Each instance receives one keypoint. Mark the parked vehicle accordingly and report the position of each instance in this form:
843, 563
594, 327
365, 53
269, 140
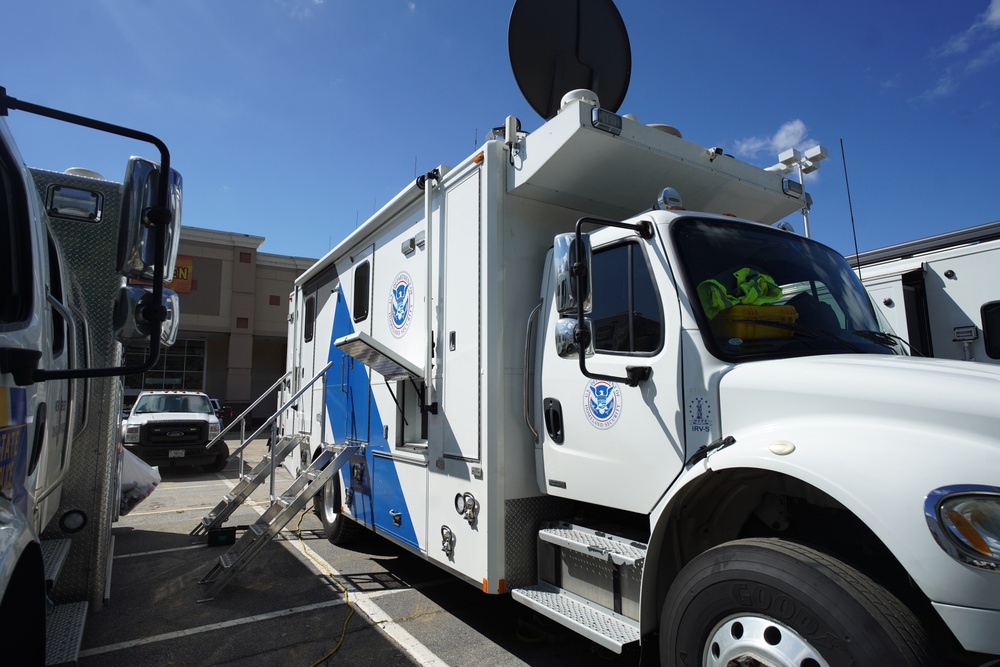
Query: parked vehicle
70, 241
173, 428
583, 368
938, 293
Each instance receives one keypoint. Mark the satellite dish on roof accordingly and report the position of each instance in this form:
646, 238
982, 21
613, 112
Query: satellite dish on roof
561, 45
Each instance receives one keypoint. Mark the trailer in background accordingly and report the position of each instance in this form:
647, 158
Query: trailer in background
940, 293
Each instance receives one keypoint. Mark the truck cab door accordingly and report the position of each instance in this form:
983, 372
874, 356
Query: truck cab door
602, 441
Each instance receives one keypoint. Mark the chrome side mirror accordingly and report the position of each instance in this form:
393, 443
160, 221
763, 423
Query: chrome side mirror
566, 344
136, 236
565, 255
129, 324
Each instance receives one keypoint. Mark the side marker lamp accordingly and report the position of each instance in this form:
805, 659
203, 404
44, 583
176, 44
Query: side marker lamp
965, 521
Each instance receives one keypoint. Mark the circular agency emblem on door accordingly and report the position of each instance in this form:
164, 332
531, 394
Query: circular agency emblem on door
602, 403
400, 304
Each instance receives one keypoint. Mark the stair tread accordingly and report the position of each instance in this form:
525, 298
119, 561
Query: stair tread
54, 553
599, 624
593, 543
64, 633
281, 511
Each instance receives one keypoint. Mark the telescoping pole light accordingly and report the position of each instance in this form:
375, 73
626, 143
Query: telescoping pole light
804, 163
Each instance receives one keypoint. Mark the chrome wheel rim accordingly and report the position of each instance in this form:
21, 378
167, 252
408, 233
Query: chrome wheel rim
327, 495
756, 641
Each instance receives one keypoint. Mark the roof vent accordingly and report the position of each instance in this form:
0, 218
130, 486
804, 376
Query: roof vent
669, 129
579, 95
86, 173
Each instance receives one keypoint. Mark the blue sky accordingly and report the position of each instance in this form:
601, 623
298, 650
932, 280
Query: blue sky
296, 119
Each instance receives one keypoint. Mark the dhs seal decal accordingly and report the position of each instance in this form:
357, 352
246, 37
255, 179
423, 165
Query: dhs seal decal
602, 403
400, 304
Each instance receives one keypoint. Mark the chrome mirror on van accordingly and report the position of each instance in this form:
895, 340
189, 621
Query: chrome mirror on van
566, 338
571, 259
567, 252
136, 235
129, 324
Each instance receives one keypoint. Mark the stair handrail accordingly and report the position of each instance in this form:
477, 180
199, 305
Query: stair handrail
243, 415
278, 412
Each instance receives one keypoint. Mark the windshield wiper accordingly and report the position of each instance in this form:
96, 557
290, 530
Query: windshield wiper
887, 339
805, 331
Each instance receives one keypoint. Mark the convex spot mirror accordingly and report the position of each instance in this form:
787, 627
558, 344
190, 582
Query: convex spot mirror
136, 236
567, 346
565, 252
132, 327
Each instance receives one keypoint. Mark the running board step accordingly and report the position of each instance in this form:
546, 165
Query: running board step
54, 553
596, 544
64, 633
599, 624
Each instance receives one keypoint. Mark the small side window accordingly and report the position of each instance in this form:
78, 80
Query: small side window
15, 249
362, 283
309, 325
55, 289
991, 328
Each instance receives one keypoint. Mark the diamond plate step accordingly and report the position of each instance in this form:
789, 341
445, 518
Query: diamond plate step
601, 625
64, 633
54, 554
595, 543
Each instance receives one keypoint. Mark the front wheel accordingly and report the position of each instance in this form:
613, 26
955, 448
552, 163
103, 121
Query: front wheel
770, 602
221, 460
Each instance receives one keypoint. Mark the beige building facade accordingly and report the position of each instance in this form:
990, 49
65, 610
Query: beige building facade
231, 342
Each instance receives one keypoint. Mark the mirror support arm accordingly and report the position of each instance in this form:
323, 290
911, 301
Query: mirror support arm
158, 217
633, 374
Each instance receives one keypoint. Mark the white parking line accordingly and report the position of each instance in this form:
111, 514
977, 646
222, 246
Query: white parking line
361, 601
207, 628
171, 511
161, 551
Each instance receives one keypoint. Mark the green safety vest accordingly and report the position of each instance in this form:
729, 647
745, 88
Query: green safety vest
750, 288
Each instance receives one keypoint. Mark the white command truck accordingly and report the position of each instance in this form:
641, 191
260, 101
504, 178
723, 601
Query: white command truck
940, 293
69, 243
652, 420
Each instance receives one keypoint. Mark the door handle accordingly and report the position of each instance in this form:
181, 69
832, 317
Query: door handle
553, 419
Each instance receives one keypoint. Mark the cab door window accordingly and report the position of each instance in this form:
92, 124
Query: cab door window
15, 249
627, 316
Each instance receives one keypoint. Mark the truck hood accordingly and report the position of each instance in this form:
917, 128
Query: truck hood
171, 417
962, 397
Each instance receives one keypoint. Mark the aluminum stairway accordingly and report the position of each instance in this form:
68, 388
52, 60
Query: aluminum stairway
589, 581
282, 510
232, 500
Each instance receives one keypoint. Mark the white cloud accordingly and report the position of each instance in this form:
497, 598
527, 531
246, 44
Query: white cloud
945, 86
300, 9
984, 24
971, 50
986, 57
793, 134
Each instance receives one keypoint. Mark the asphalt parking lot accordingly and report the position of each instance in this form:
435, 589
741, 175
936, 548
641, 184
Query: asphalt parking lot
301, 601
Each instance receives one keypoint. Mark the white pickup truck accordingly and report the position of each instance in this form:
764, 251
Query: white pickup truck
172, 428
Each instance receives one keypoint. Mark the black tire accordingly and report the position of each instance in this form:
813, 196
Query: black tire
338, 528
220, 462
775, 600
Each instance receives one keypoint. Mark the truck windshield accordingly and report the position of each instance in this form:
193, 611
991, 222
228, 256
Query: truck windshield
168, 403
760, 292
